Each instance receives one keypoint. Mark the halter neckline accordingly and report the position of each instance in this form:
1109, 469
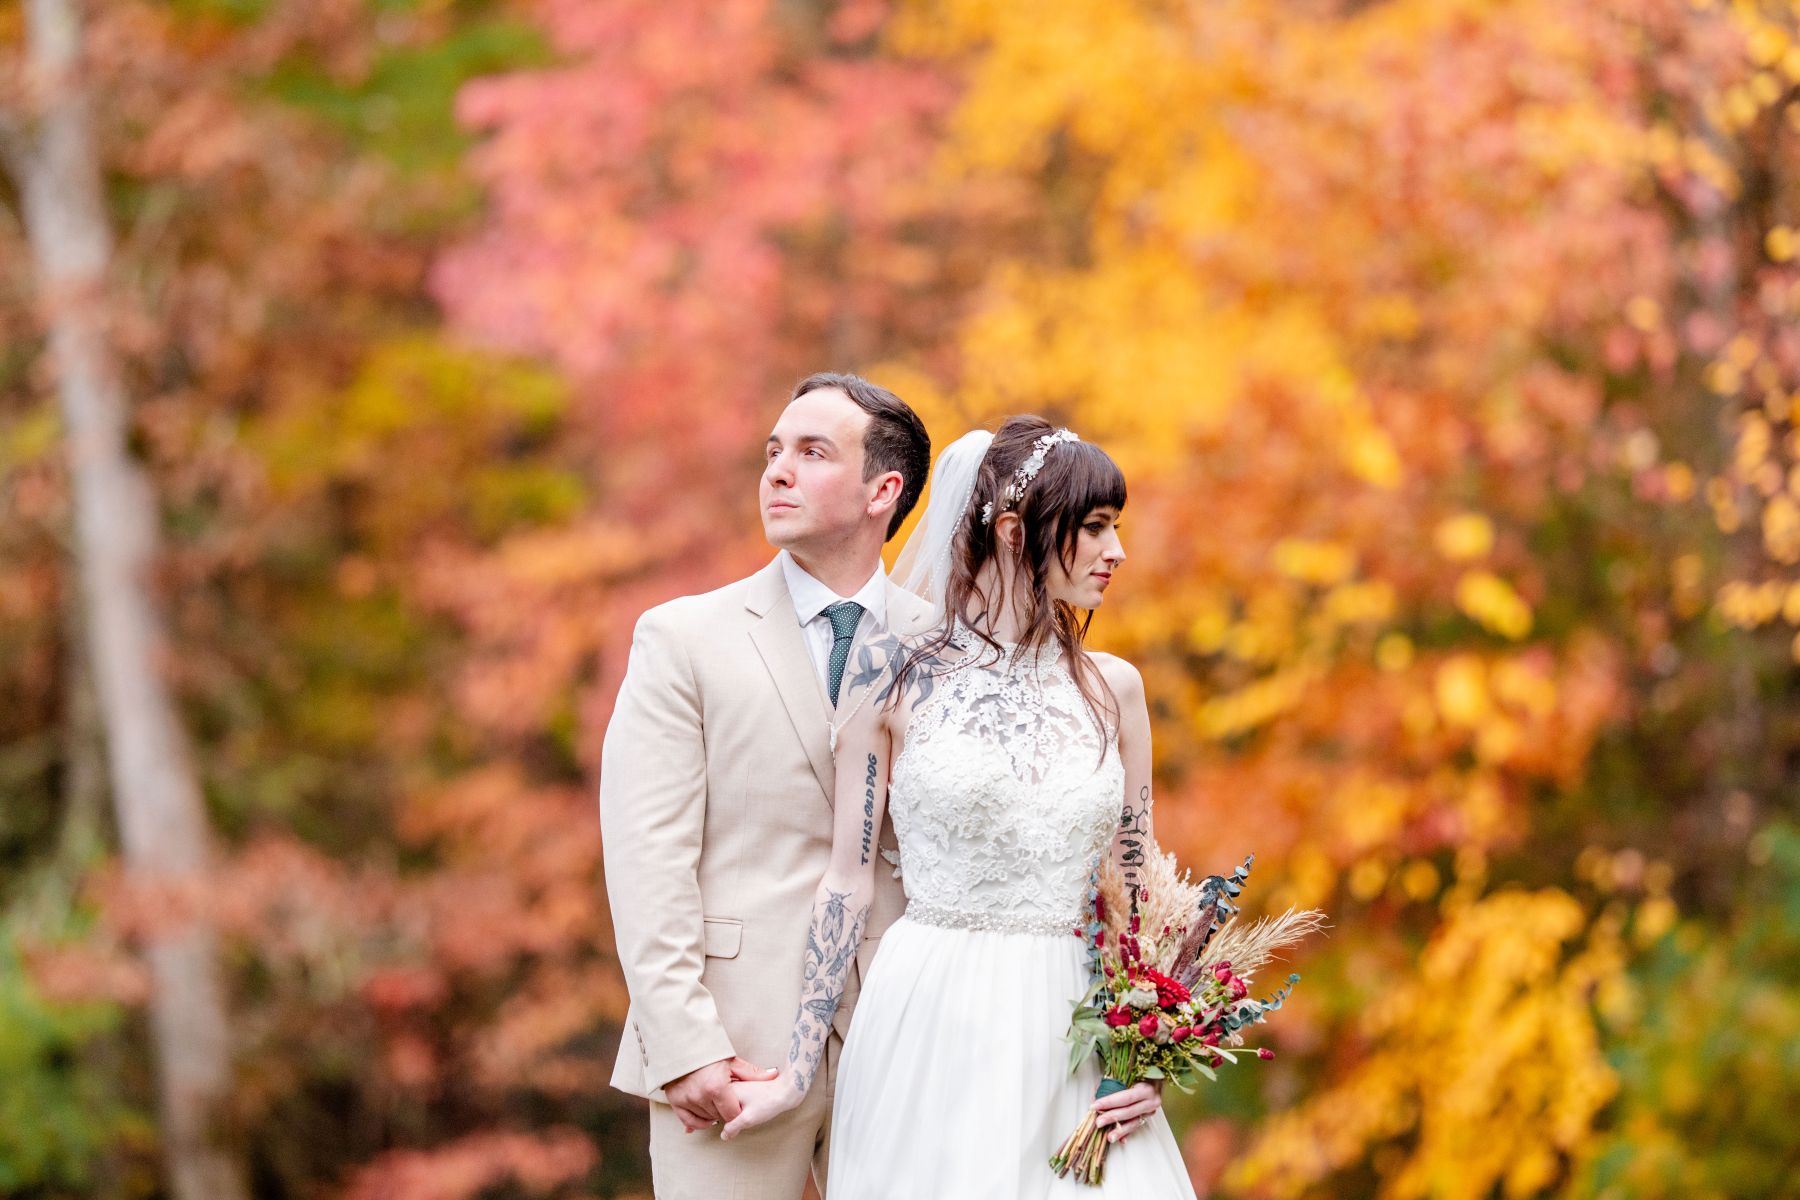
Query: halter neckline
1047, 651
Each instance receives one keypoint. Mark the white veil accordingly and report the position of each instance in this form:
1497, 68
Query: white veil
923, 564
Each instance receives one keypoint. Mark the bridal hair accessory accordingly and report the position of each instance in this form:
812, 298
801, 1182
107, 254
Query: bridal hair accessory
1015, 491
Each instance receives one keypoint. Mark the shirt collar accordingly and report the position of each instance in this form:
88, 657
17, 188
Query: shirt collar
810, 596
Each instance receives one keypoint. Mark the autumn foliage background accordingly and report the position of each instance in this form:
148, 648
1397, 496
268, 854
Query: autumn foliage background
1449, 346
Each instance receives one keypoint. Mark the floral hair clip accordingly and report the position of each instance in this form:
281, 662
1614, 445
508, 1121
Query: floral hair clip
1034, 462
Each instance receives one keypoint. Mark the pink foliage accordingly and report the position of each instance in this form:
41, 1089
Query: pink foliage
652, 196
537, 1162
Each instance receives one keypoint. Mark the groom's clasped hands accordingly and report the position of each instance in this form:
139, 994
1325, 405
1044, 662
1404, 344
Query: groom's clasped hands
704, 1097
732, 1092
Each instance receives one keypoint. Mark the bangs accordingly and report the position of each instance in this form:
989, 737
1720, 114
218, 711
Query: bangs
1092, 481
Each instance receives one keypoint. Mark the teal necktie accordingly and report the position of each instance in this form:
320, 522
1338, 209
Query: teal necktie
843, 617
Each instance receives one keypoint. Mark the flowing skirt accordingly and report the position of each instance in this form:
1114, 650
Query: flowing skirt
954, 1082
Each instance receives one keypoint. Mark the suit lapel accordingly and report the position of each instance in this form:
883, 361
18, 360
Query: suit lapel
778, 640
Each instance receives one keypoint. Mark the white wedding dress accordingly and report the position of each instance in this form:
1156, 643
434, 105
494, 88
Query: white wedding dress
954, 1082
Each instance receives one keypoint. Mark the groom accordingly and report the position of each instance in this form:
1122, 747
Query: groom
716, 794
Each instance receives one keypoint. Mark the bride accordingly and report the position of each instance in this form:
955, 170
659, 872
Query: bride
1011, 758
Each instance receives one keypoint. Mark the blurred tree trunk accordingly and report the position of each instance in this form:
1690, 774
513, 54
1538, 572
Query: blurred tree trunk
80, 842
49, 147
83, 834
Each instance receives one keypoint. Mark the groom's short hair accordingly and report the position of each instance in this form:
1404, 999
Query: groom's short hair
896, 439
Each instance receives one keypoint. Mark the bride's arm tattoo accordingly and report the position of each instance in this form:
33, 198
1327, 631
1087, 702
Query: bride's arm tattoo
1134, 837
830, 948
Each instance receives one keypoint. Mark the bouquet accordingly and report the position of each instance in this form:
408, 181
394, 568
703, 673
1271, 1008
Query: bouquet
1171, 986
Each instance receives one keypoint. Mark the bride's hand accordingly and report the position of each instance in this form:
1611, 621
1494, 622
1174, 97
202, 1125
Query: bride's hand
1130, 1109
762, 1100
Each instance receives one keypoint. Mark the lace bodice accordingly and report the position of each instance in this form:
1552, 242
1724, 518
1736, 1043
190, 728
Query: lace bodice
1004, 794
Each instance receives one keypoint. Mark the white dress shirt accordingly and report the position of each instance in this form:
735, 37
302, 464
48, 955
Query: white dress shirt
810, 600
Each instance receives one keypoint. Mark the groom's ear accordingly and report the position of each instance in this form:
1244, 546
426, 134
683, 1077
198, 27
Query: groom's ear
888, 487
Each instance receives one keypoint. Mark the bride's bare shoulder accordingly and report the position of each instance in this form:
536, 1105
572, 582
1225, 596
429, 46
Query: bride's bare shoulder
1124, 679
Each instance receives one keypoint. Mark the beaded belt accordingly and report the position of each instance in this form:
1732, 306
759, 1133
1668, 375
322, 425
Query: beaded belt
996, 922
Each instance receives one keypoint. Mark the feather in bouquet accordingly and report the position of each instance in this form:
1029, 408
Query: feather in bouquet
1171, 986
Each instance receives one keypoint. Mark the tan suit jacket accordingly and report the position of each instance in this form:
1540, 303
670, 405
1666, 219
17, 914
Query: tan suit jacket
716, 787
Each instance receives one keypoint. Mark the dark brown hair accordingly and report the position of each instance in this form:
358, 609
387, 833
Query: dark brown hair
1076, 479
895, 441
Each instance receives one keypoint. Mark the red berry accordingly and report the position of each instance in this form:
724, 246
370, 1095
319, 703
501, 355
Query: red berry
1264, 1053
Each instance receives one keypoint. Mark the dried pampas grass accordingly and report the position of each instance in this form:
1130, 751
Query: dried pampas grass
1249, 948
1171, 895
1172, 899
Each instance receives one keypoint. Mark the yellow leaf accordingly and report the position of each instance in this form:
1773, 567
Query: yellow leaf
1367, 879
1766, 43
1655, 917
1492, 602
1394, 652
1464, 537
1314, 561
1462, 696
1779, 243
1372, 458
1419, 880
1781, 529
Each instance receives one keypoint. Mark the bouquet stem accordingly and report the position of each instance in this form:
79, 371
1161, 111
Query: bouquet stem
1084, 1151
